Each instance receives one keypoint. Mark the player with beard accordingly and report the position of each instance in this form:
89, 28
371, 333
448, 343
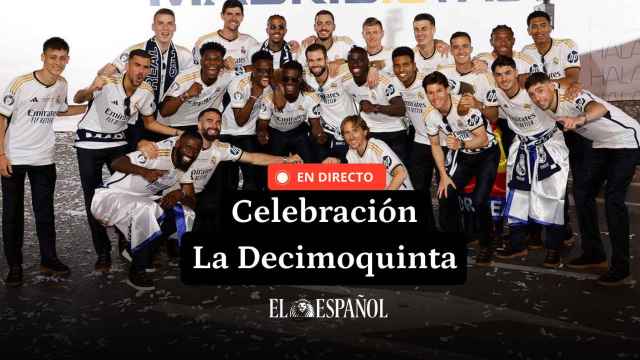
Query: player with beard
537, 168
335, 104
129, 200
240, 47
616, 151
337, 46
213, 153
114, 105
472, 152
281, 51
286, 129
381, 107
200, 88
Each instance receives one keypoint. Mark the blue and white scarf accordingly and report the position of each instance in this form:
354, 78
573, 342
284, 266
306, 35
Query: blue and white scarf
172, 71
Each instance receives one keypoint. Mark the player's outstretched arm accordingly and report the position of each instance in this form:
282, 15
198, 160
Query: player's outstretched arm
123, 164
151, 124
262, 159
399, 174
74, 110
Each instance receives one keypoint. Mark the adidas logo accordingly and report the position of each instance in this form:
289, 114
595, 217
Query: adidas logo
115, 102
35, 99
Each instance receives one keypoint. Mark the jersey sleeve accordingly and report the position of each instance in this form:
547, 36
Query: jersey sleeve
266, 108
120, 62
571, 55
64, 90
390, 159
228, 152
179, 86
147, 105
432, 120
312, 106
239, 94
582, 100
485, 91
10, 98
390, 90
474, 120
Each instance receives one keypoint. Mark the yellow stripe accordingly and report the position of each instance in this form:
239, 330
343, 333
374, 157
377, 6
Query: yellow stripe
376, 149
19, 82
205, 38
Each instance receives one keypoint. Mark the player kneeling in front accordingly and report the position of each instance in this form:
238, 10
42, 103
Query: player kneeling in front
129, 199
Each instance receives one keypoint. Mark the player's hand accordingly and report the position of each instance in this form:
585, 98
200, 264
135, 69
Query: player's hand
571, 123
263, 136
230, 63
294, 46
98, 84
453, 143
256, 89
171, 199
443, 186
331, 160
5, 166
149, 149
373, 78
442, 47
308, 41
194, 90
367, 107
467, 101
151, 175
479, 66
294, 159
573, 91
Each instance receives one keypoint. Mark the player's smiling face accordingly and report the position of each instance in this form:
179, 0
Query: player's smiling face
438, 96
358, 64
324, 27
355, 136
185, 152
540, 30
423, 31
164, 26
461, 50
276, 29
209, 125
405, 69
137, 69
263, 72
212, 63
54, 61
373, 35
542, 94
506, 78
291, 80
502, 42
316, 62
232, 18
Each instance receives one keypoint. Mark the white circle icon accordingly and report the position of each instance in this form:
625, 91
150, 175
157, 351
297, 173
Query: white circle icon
282, 177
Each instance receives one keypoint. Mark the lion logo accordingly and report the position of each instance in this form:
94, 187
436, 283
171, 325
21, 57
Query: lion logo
301, 309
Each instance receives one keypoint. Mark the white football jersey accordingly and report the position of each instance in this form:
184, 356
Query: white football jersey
306, 106
383, 55
106, 119
523, 61
615, 130
563, 54
205, 165
335, 103
378, 152
338, 50
185, 61
241, 48
31, 108
239, 91
460, 126
523, 116
138, 185
210, 96
483, 83
381, 94
428, 64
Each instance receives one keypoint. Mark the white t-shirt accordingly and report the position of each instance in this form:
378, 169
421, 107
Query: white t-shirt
185, 61
381, 95
615, 130
383, 55
335, 103
241, 48
461, 126
338, 50
210, 96
239, 91
378, 152
523, 116
432, 62
483, 83
106, 118
138, 185
523, 61
306, 106
205, 165
562, 55
31, 107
